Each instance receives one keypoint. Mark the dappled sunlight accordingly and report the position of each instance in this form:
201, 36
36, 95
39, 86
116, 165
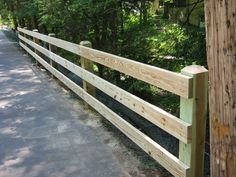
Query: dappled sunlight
12, 172
18, 121
11, 165
11, 97
8, 130
6, 91
4, 78
18, 157
2, 73
32, 80
24, 70
12, 162
15, 122
39, 132
30, 161
17, 74
16, 167
6, 103
31, 108
10, 93
35, 170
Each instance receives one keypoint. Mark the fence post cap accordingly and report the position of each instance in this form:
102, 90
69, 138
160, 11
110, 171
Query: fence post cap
52, 34
194, 69
86, 43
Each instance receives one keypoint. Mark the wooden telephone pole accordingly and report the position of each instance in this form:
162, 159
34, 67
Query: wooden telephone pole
221, 50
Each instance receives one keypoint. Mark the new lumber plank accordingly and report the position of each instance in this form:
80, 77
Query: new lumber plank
169, 123
167, 80
166, 159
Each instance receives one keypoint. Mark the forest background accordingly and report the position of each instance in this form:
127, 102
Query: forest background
168, 34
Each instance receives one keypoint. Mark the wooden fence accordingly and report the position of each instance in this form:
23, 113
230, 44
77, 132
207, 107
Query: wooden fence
190, 85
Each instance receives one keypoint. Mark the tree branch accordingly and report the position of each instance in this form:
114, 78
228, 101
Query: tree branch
192, 9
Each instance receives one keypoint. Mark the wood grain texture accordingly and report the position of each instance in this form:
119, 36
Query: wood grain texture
194, 111
221, 53
166, 159
52, 48
161, 78
24, 34
87, 65
69, 46
37, 42
169, 123
167, 80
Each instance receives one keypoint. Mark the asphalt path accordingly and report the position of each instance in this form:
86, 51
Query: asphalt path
40, 132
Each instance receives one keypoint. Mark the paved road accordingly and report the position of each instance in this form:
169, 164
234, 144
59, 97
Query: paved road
40, 134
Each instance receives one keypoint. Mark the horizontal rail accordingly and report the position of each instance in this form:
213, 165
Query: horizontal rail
166, 159
169, 123
167, 80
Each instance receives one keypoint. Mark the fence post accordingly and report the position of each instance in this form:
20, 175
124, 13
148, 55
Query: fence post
25, 42
194, 111
88, 65
37, 42
52, 48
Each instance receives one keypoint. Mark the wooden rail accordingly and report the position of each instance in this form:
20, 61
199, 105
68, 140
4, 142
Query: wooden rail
189, 128
167, 80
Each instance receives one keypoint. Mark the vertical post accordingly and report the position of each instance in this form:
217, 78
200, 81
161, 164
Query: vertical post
88, 65
25, 37
24, 33
37, 42
194, 111
52, 48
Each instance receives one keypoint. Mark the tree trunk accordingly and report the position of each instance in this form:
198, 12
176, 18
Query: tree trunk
143, 12
166, 10
35, 22
23, 23
45, 29
12, 9
121, 17
155, 6
221, 51
15, 23
191, 11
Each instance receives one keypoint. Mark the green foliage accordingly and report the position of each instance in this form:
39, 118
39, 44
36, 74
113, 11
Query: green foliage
167, 45
164, 44
127, 28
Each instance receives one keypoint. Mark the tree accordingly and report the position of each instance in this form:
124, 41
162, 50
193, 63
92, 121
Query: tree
221, 49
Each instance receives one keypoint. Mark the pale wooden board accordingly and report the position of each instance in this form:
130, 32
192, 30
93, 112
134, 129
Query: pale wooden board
87, 65
166, 159
169, 123
167, 80
74, 48
194, 111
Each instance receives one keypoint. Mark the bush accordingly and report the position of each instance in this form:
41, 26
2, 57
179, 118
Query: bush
166, 45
